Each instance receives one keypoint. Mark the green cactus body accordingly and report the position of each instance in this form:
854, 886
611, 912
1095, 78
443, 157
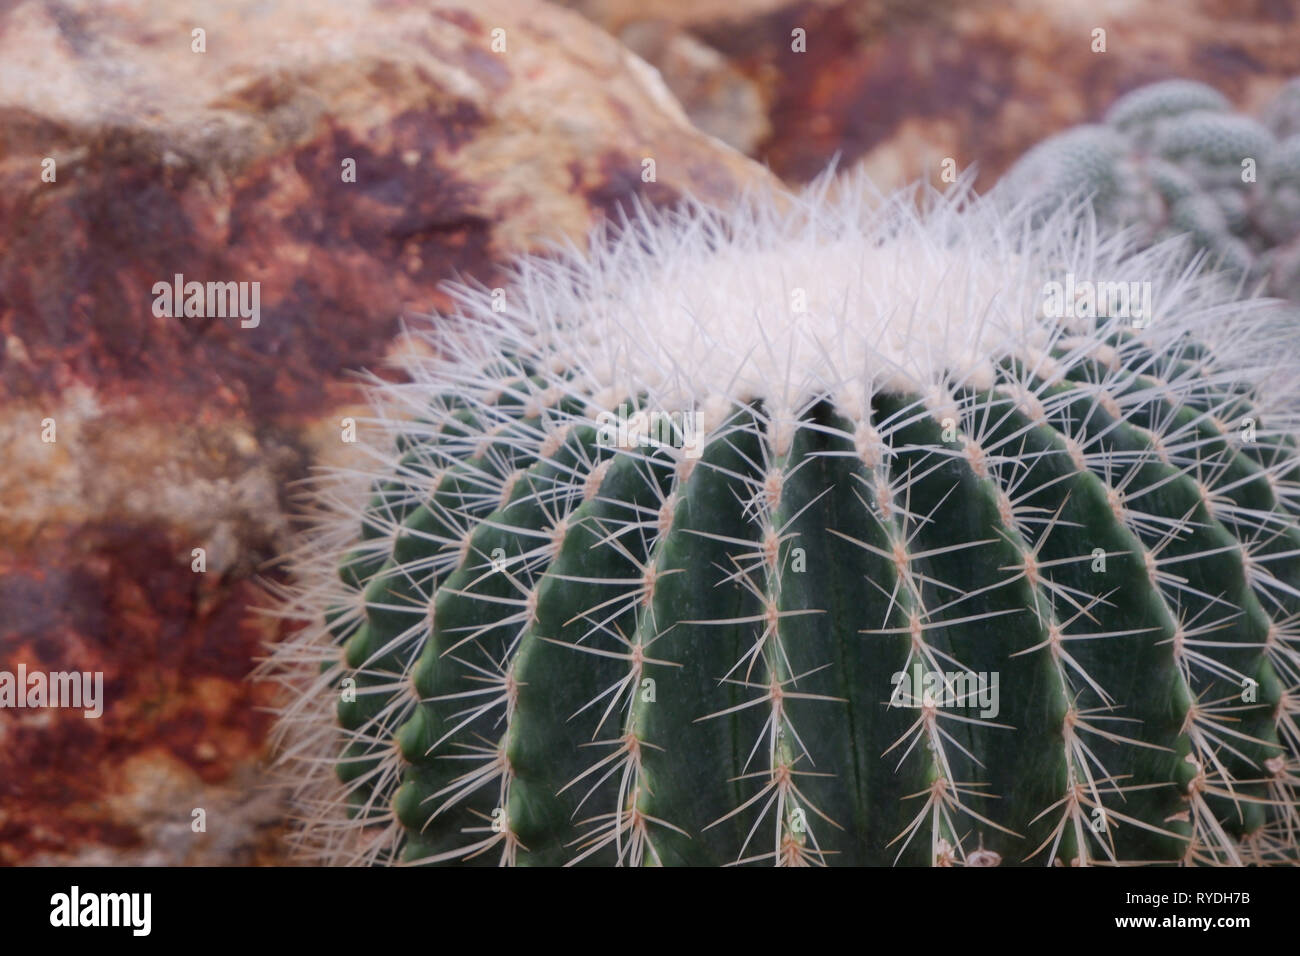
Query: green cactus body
1173, 158
1035, 606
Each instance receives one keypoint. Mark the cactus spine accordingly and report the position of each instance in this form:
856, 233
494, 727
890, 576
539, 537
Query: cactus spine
805, 533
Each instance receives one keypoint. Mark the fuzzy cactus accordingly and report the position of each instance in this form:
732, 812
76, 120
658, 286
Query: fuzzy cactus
1173, 158
829, 529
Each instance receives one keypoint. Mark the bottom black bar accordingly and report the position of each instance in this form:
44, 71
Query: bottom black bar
579, 907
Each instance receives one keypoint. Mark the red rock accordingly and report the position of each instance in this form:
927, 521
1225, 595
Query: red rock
899, 85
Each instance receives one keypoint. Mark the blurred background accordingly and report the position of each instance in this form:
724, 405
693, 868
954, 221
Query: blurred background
213, 140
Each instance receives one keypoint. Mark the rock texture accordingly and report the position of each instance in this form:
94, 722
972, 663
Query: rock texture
476, 128
899, 85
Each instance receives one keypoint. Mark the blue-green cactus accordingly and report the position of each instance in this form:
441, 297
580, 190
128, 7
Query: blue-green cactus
1174, 158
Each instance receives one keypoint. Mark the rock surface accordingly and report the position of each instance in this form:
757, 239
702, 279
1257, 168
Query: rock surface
899, 85
230, 163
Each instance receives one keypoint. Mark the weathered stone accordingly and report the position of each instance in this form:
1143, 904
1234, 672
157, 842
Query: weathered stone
899, 86
719, 99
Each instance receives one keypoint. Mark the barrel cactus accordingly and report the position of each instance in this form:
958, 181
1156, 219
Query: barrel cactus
829, 529
1173, 157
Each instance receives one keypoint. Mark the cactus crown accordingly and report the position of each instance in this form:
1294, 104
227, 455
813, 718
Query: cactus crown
820, 530
1173, 158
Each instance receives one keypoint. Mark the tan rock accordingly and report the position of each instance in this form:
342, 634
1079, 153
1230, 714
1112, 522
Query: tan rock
719, 99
